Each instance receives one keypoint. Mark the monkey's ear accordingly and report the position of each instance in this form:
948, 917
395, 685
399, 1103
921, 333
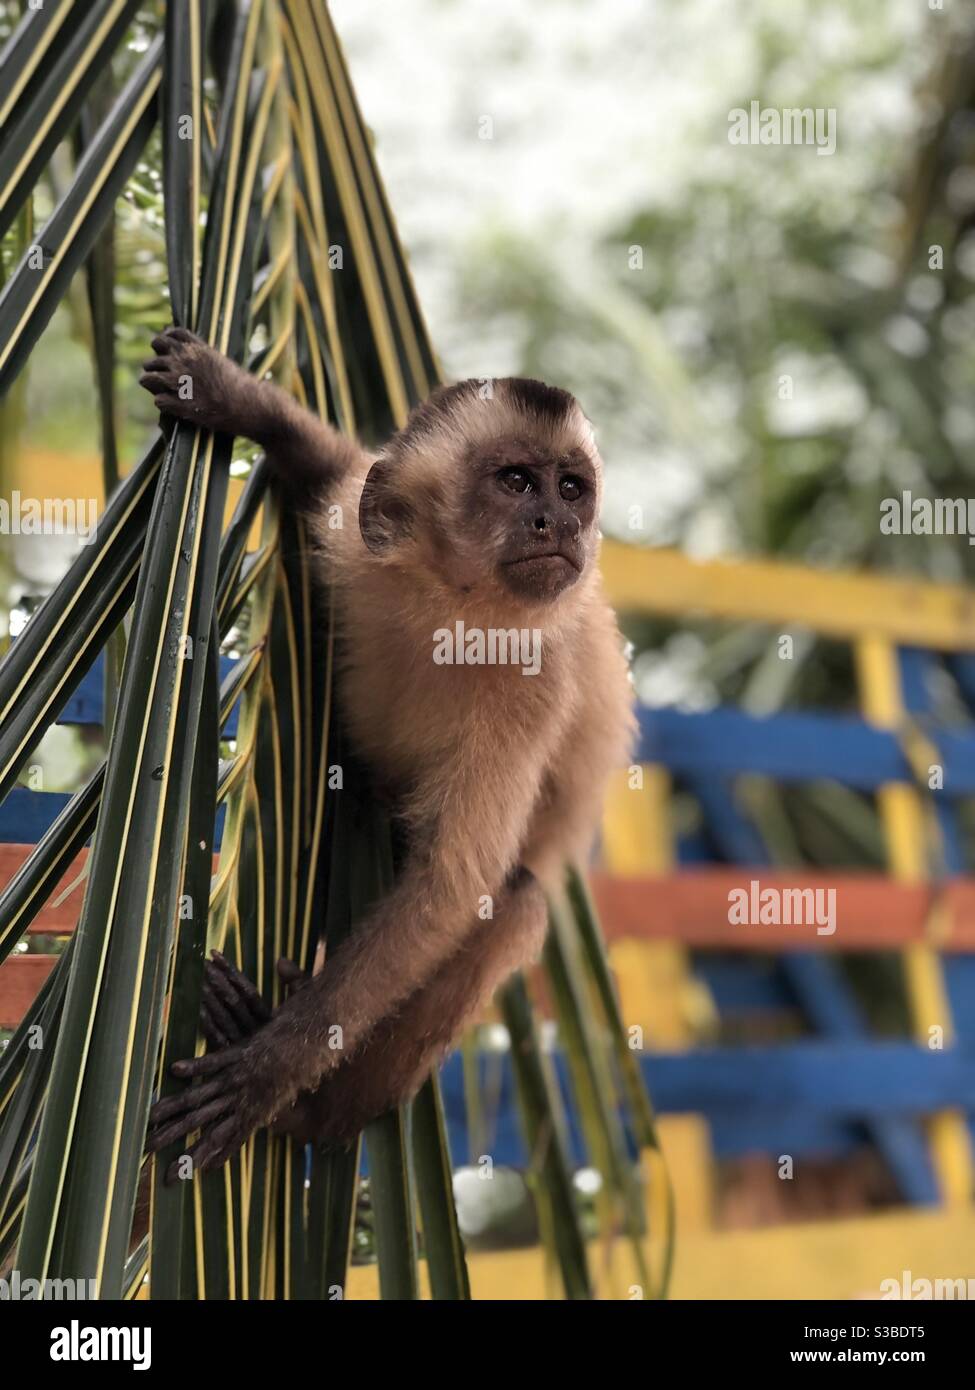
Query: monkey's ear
385, 516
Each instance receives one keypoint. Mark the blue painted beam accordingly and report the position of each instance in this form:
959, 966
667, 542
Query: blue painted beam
846, 1080
87, 704
919, 671
806, 1099
740, 986
793, 748
823, 993
962, 667
778, 1133
26, 815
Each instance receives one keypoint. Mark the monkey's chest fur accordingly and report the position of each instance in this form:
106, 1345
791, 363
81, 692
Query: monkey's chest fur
413, 718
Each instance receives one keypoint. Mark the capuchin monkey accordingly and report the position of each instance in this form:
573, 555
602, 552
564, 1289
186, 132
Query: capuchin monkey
482, 510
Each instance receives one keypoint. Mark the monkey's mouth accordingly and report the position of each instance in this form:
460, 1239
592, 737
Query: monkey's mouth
553, 560
541, 575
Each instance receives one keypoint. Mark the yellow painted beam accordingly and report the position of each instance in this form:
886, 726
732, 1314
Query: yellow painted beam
80, 476
836, 604
906, 831
657, 990
823, 1260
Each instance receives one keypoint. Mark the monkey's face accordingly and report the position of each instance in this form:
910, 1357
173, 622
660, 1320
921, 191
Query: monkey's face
496, 497
534, 511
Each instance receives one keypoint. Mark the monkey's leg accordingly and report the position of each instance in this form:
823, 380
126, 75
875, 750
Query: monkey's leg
192, 381
400, 1052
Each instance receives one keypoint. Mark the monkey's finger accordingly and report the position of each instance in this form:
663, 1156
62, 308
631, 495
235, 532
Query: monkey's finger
234, 1006
214, 1148
170, 337
208, 1064
157, 364
231, 990
184, 1101
226, 1150
186, 1124
199, 1119
225, 1020
156, 382
169, 404
214, 1038
162, 343
173, 1173
222, 968
219, 1028
291, 976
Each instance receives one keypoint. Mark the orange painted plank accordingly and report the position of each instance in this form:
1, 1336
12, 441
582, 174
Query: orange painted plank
871, 911
55, 921
20, 979
50, 920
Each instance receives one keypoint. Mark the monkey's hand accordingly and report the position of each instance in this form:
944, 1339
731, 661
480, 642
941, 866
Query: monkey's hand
192, 381
233, 1091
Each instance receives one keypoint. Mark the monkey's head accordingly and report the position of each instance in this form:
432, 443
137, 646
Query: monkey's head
494, 486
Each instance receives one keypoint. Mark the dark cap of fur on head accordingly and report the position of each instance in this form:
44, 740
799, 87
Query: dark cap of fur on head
549, 405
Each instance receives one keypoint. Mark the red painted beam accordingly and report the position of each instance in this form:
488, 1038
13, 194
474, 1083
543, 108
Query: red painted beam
872, 912
20, 979
50, 920
54, 921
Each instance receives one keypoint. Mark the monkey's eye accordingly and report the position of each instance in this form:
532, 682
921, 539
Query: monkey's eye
571, 488
515, 480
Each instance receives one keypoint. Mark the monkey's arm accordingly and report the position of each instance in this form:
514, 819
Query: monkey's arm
395, 1059
191, 380
397, 949
401, 1051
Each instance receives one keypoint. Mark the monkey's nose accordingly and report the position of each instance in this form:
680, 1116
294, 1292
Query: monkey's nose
541, 523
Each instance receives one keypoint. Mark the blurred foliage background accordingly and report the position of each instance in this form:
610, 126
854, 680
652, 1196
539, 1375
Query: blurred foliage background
608, 131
